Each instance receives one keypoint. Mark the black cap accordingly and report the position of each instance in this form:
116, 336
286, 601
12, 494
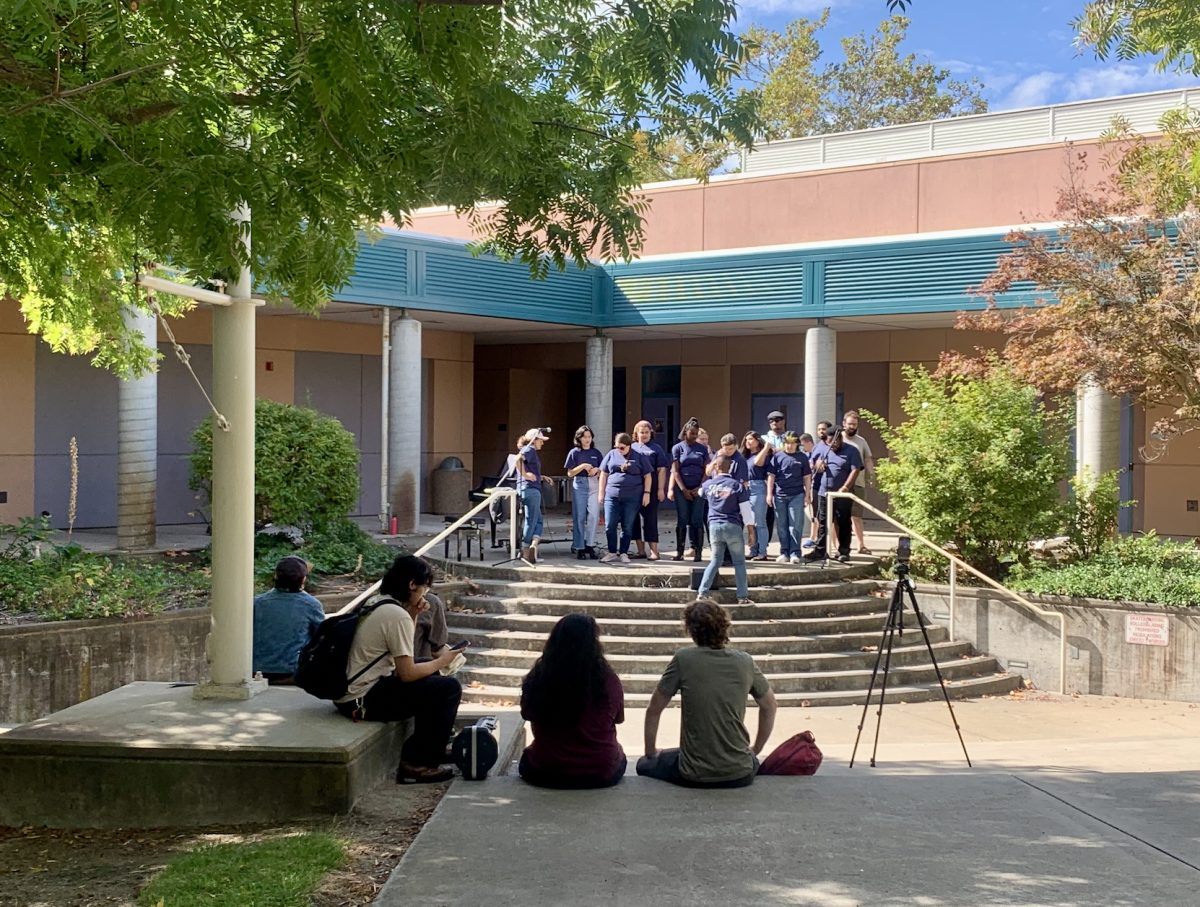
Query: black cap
775, 414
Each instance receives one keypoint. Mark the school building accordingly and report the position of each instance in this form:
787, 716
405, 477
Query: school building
802, 283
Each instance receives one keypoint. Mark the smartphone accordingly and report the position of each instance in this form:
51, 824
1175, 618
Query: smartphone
460, 645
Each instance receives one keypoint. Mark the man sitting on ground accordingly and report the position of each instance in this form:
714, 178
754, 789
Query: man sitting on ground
283, 620
714, 745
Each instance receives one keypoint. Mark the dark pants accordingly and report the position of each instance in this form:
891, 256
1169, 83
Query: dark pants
645, 524
620, 513
841, 519
569, 782
770, 528
665, 767
690, 516
432, 701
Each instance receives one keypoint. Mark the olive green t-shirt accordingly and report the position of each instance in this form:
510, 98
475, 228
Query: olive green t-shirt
713, 742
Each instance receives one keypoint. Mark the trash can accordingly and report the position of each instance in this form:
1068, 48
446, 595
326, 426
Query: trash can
450, 486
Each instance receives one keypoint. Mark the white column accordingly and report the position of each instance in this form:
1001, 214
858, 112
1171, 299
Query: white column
404, 421
230, 643
1097, 430
598, 389
137, 445
820, 377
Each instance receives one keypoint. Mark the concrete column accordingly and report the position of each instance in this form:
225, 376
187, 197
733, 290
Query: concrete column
1097, 430
137, 446
404, 421
820, 377
230, 643
598, 389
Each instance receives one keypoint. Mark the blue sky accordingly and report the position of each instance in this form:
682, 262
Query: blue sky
1021, 50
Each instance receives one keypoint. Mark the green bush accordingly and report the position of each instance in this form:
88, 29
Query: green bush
1141, 568
976, 465
341, 549
305, 466
1093, 512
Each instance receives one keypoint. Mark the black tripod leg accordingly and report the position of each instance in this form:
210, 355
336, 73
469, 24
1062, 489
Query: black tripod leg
895, 623
912, 598
887, 626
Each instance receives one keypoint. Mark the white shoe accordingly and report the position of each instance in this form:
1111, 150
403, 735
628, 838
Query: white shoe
624, 558
745, 601
782, 559
610, 558
794, 559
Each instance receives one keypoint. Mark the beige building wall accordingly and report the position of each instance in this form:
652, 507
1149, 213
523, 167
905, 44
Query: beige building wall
17, 351
1169, 483
450, 405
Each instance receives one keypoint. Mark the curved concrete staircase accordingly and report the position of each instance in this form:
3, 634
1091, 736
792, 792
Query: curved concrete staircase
813, 632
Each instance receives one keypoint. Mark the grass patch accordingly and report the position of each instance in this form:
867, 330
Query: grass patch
282, 872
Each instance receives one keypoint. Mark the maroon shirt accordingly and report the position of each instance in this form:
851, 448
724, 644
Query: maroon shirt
589, 749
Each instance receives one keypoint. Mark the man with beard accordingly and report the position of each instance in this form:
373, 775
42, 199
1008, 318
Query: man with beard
850, 432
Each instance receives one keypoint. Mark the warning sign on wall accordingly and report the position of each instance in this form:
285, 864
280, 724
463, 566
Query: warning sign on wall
1147, 629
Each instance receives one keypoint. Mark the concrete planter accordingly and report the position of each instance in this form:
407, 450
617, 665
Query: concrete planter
1113, 648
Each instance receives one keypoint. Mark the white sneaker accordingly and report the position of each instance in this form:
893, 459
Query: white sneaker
741, 601
610, 558
624, 558
782, 559
795, 559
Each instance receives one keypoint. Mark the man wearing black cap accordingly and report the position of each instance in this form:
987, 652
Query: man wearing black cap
776, 429
283, 620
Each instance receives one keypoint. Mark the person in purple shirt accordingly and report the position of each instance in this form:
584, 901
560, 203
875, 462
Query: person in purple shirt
725, 496
624, 487
583, 469
529, 487
840, 465
789, 489
688, 459
816, 451
574, 701
757, 454
645, 525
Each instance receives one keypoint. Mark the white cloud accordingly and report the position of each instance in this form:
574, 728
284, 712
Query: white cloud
1049, 87
794, 7
1031, 91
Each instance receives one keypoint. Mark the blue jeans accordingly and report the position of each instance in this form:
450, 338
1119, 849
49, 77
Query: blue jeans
585, 510
690, 515
620, 511
726, 536
531, 500
789, 519
758, 500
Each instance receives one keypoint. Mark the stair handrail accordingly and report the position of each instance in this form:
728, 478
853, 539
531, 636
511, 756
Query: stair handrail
492, 493
955, 563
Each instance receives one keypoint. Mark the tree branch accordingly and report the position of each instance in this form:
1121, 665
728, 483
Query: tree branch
56, 94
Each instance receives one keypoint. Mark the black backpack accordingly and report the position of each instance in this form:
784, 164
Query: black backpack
321, 669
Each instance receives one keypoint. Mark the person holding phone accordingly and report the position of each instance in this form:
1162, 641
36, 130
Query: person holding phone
583, 468
624, 487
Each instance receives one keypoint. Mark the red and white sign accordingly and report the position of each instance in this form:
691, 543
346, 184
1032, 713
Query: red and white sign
1147, 629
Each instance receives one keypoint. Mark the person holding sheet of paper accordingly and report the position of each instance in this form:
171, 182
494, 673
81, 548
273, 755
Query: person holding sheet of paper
728, 511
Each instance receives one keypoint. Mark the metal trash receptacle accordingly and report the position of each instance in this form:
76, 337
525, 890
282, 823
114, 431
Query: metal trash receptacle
450, 488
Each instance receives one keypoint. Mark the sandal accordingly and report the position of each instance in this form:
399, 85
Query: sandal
864, 550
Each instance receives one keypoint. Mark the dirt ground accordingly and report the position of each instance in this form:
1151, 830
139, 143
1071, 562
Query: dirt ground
42, 867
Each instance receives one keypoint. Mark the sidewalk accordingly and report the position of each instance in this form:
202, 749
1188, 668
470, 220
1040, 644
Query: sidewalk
1071, 802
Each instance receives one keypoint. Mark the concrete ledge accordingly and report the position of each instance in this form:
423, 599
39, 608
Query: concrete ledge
150, 755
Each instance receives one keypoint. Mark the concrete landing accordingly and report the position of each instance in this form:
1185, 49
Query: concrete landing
148, 754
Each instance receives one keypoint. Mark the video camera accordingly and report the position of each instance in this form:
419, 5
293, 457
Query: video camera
903, 555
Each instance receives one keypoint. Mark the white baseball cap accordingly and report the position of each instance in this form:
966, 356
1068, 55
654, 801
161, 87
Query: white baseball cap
536, 434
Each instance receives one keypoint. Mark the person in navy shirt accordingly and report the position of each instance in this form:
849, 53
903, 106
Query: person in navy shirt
624, 487
583, 468
725, 496
816, 451
839, 466
529, 487
757, 454
645, 525
688, 459
738, 469
789, 489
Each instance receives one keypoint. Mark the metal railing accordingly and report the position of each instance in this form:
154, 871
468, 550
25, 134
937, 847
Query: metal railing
955, 564
493, 493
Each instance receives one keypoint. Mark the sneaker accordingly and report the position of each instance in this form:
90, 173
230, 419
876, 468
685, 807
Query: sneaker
611, 558
704, 597
745, 601
581, 555
423, 774
591, 552
794, 559
810, 543
624, 558
843, 558
814, 556
783, 559
690, 552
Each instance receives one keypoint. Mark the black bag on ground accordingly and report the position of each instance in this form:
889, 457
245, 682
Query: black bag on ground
321, 668
475, 749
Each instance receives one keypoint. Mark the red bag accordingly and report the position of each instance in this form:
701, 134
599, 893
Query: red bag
798, 755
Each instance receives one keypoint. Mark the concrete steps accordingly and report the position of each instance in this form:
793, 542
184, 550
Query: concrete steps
813, 631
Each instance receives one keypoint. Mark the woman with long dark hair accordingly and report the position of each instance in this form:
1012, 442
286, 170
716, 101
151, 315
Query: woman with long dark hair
574, 701
757, 453
689, 458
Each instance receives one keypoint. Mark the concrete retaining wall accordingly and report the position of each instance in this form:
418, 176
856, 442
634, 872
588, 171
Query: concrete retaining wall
1100, 661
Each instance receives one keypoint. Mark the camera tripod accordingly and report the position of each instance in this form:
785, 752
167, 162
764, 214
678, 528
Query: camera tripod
893, 627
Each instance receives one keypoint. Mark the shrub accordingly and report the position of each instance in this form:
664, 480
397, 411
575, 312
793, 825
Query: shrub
340, 549
977, 465
1093, 512
1141, 568
305, 466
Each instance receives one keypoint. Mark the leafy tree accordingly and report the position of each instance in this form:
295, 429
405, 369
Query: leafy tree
1169, 29
130, 128
976, 464
874, 85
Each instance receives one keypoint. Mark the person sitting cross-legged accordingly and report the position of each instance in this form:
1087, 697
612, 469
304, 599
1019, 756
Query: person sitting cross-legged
393, 684
714, 680
284, 618
574, 701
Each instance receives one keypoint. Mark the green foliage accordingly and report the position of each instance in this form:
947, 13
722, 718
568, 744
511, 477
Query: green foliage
1140, 568
1093, 512
63, 582
1168, 28
129, 131
305, 466
977, 465
874, 85
340, 549
281, 872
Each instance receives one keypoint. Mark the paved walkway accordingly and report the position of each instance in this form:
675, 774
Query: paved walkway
1071, 802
